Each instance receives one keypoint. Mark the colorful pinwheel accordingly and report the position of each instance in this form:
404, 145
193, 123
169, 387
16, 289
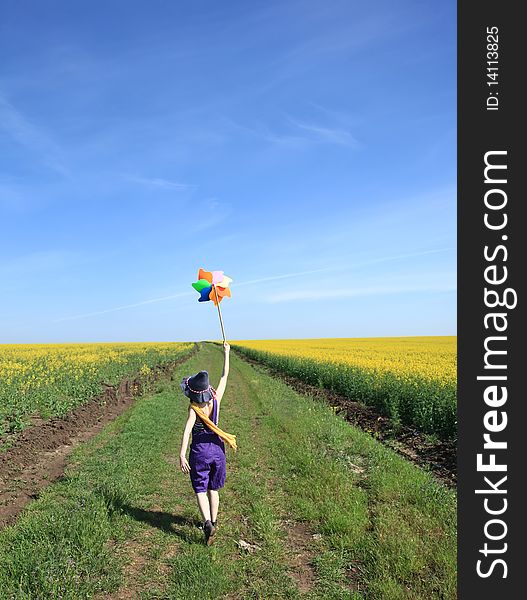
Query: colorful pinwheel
213, 285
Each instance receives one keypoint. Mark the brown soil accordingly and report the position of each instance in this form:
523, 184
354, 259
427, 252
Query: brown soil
299, 542
38, 454
440, 457
134, 564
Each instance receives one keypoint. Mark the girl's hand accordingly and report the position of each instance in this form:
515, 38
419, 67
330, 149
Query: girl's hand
183, 463
227, 346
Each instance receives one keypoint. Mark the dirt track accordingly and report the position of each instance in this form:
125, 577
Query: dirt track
38, 454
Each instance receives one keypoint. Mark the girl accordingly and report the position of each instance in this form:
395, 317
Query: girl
206, 463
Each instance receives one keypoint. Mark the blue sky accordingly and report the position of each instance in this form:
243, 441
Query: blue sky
307, 148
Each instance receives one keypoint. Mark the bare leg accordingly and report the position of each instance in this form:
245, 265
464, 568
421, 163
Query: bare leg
204, 506
214, 501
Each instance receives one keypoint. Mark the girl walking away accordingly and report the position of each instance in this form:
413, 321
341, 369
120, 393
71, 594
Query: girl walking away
206, 463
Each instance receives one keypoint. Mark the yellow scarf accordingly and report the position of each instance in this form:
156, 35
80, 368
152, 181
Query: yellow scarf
226, 437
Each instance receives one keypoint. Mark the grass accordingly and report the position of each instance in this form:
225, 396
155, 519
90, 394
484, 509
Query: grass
122, 523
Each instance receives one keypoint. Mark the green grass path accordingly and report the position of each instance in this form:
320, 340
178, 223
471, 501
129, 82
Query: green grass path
332, 513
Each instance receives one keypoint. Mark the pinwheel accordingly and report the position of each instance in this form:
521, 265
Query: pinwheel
213, 285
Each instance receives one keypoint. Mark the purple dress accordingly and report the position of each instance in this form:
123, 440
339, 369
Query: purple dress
207, 455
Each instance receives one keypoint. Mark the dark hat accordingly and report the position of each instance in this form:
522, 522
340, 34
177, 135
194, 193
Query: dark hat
197, 387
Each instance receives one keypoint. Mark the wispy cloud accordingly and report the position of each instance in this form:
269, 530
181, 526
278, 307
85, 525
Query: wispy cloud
10, 197
351, 264
383, 259
160, 183
284, 276
339, 38
327, 293
289, 295
123, 307
295, 132
36, 262
173, 297
329, 135
337, 116
22, 131
307, 134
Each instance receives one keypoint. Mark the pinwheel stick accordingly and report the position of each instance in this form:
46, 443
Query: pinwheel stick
219, 312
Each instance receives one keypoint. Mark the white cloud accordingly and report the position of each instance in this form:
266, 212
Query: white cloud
297, 133
329, 135
158, 182
123, 307
23, 132
36, 262
331, 293
345, 267
307, 294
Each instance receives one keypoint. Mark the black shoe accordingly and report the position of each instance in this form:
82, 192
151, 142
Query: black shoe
210, 531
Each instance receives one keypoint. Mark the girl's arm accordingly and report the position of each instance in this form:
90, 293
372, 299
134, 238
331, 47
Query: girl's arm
183, 462
223, 381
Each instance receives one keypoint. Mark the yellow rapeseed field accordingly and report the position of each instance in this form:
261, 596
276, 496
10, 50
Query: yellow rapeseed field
429, 357
411, 379
50, 379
